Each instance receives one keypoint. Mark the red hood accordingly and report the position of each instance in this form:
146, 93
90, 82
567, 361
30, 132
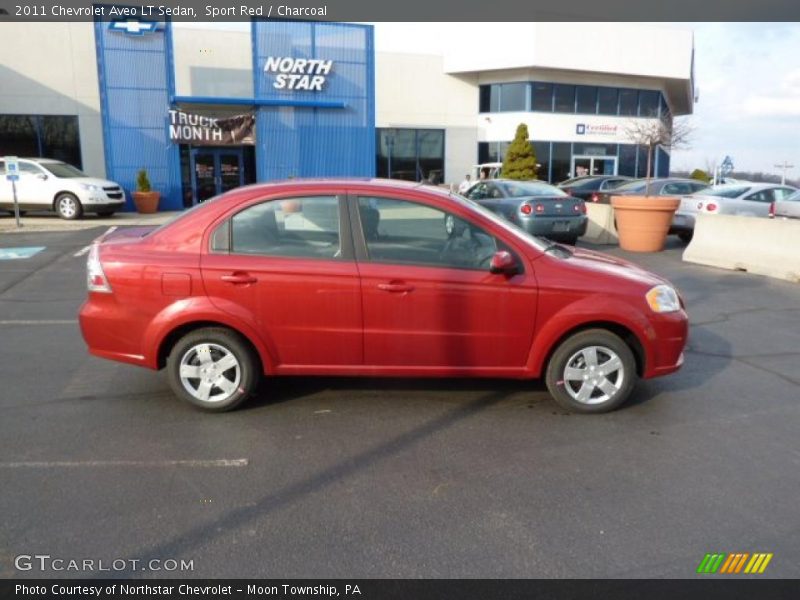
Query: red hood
604, 266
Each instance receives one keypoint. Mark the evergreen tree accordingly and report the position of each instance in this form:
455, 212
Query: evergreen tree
520, 160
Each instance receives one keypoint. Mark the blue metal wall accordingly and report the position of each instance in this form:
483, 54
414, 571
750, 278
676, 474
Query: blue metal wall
316, 134
136, 83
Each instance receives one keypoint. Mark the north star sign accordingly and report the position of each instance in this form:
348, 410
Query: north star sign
306, 74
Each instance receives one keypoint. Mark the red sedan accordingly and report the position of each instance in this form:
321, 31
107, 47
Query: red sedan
373, 278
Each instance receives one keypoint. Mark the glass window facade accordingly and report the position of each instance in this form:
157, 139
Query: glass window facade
586, 99
564, 98
540, 96
410, 154
44, 136
555, 158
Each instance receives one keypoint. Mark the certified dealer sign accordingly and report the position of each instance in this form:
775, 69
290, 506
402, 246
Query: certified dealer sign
298, 73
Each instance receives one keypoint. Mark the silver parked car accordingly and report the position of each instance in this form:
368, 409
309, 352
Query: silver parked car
752, 200
788, 208
537, 207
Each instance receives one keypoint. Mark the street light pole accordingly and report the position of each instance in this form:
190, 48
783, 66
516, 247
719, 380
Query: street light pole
785, 167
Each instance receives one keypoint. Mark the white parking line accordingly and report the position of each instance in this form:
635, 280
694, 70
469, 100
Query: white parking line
86, 249
68, 464
40, 322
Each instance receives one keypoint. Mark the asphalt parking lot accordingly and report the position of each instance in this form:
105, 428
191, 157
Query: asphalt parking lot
392, 478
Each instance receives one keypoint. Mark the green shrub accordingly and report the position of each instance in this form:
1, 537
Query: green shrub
142, 181
520, 159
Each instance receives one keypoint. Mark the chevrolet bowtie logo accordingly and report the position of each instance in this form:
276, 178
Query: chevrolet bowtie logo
133, 27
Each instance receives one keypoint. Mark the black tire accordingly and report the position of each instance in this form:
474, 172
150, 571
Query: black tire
68, 206
570, 353
105, 213
243, 379
686, 236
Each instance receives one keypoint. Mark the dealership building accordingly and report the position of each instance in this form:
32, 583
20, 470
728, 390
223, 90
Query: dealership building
206, 109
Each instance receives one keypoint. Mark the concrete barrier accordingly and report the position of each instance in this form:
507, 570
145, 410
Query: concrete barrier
768, 247
601, 229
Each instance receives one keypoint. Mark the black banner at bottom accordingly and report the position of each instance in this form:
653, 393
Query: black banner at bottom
404, 589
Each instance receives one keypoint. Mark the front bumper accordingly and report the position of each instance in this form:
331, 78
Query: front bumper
102, 204
666, 337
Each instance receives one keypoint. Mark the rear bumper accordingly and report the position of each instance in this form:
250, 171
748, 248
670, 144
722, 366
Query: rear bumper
682, 222
567, 226
106, 334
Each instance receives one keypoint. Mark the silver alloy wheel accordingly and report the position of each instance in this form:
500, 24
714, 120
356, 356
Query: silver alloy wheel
594, 375
210, 372
67, 206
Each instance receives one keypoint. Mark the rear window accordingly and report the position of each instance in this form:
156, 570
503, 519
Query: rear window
529, 188
633, 186
794, 197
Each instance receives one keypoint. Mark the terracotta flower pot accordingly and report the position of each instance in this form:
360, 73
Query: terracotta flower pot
290, 206
146, 202
643, 221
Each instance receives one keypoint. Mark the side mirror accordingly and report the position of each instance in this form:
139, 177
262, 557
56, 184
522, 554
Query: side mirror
41, 176
503, 264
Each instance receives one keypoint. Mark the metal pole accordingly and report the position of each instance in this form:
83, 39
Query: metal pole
785, 166
16, 203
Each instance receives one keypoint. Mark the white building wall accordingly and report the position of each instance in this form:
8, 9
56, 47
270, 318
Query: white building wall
411, 90
51, 69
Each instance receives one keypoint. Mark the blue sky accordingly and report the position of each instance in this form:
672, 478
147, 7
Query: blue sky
748, 75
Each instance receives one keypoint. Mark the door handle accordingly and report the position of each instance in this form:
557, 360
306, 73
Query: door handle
396, 287
239, 278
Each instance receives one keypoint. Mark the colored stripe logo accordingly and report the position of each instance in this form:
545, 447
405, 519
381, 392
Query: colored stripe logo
734, 563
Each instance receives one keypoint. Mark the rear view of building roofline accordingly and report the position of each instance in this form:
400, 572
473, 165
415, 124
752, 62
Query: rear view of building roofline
305, 99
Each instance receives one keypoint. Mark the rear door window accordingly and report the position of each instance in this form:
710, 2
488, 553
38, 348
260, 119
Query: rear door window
306, 227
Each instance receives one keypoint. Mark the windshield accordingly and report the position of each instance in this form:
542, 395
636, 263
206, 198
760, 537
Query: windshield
62, 170
523, 189
726, 191
539, 243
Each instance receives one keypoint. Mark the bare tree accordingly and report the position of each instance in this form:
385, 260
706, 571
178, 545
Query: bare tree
652, 133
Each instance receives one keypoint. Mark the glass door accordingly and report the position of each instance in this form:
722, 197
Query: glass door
605, 165
215, 171
230, 171
594, 165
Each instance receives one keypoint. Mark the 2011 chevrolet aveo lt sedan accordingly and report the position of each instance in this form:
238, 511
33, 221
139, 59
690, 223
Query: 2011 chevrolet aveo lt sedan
373, 278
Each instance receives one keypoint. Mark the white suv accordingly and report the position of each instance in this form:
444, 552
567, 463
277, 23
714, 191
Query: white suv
46, 184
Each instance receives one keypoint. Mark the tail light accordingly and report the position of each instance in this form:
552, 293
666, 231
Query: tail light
526, 209
579, 207
771, 214
540, 208
96, 279
595, 197
711, 207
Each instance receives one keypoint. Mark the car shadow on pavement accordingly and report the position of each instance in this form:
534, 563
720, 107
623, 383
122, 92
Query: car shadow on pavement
184, 543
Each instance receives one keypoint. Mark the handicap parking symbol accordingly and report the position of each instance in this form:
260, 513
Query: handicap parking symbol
17, 253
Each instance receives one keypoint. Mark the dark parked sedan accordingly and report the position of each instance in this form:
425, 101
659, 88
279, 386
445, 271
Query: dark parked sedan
589, 187
538, 208
658, 186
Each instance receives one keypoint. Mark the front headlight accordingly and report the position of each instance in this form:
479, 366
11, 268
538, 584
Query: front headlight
90, 187
663, 299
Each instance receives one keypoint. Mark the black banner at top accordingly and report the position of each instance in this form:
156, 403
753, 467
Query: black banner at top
407, 11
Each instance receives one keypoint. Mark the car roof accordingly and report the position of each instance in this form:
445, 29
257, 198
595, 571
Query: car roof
322, 182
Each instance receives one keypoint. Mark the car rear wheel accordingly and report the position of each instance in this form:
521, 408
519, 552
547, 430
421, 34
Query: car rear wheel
213, 368
686, 236
593, 371
68, 207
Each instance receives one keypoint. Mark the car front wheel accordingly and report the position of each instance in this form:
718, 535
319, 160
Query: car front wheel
213, 368
593, 371
68, 207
